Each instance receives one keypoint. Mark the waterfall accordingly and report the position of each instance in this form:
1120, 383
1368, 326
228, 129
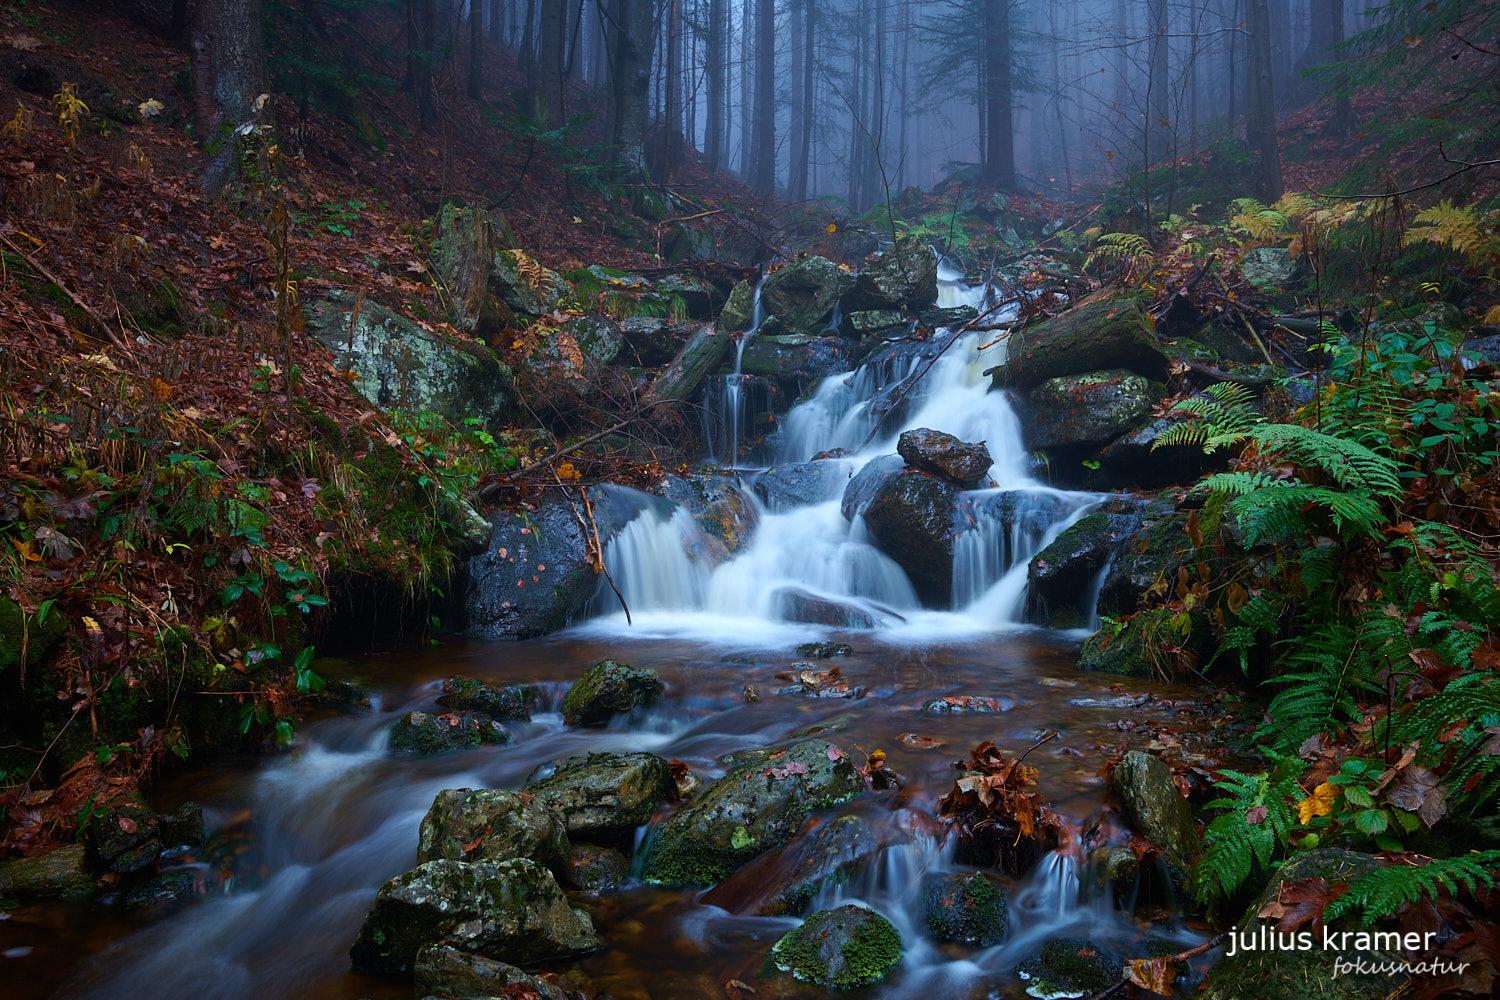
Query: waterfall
807, 562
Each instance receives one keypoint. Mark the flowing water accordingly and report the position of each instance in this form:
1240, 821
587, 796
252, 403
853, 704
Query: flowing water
308, 837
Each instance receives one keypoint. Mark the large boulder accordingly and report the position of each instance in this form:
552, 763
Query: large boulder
960, 462
757, 806
1070, 967
1077, 413
534, 576
525, 285
793, 604
1134, 459
653, 340
63, 872
400, 365
840, 949
443, 970
1060, 578
784, 882
606, 689
1108, 329
706, 349
803, 294
786, 486
795, 360
1272, 268
739, 311
909, 516
512, 911
698, 297
509, 703
964, 907
718, 505
492, 825
604, 794
903, 277
1153, 803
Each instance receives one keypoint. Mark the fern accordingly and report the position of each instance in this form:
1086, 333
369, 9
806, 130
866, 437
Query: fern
1326, 678
1119, 248
1348, 463
1260, 222
1254, 824
1225, 414
1383, 893
1461, 229
1471, 701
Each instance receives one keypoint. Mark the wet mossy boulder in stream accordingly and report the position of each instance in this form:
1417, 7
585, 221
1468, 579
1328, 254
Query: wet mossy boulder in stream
535, 574
491, 825
840, 949
1060, 579
1140, 646
163, 891
910, 516
796, 361
512, 911
1320, 973
903, 277
802, 294
1075, 414
757, 806
1107, 329
719, 507
964, 907
707, 348
604, 794
423, 734
592, 868
61, 873
824, 650
1156, 808
510, 703
607, 689
442, 970
960, 462
126, 838
785, 881
739, 311
793, 604
786, 486
402, 366
1070, 967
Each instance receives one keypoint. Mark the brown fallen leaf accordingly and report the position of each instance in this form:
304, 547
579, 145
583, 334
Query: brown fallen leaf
1152, 974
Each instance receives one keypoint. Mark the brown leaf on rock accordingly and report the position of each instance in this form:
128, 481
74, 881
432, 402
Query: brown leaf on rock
1304, 903
1152, 974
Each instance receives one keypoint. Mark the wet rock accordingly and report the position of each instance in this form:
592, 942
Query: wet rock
794, 604
653, 341
591, 868
757, 806
796, 361
784, 882
1485, 347
699, 297
967, 704
910, 516
604, 793
163, 891
1158, 810
608, 688
126, 839
1146, 887
1061, 577
61, 873
840, 949
1321, 973
183, 827
964, 907
1069, 967
786, 486
804, 293
1136, 648
598, 337
739, 310
824, 650
1271, 267
949, 318
510, 703
717, 504
609, 277
491, 825
707, 348
882, 323
1134, 460
1107, 329
534, 576
1085, 412
525, 285
401, 365
1157, 547
443, 970
904, 276
426, 733
509, 910
960, 462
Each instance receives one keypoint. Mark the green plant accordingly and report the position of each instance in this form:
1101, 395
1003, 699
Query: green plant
1386, 892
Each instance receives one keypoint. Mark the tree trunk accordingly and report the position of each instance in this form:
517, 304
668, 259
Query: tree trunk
713, 132
763, 144
476, 49
178, 26
672, 96
1158, 122
798, 101
802, 166
231, 47
548, 97
497, 22
629, 84
1000, 151
1260, 106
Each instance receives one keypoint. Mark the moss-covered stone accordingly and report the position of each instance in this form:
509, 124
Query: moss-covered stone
604, 793
63, 872
757, 806
606, 689
904, 276
824, 650
804, 293
965, 907
491, 825
524, 285
425, 733
1108, 329
717, 504
22, 632
1069, 967
1160, 814
443, 970
738, 311
1086, 411
785, 881
509, 703
162, 891
125, 839
592, 868
841, 949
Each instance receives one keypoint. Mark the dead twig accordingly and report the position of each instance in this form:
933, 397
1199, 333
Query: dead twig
591, 536
93, 314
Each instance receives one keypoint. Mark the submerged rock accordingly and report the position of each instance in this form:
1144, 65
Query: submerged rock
965, 907
509, 910
960, 462
840, 949
604, 793
62, 872
606, 689
162, 891
824, 650
1069, 967
510, 703
443, 970
1158, 810
491, 825
967, 704
425, 733
757, 806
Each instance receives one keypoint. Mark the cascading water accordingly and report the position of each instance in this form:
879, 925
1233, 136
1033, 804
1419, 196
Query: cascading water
726, 400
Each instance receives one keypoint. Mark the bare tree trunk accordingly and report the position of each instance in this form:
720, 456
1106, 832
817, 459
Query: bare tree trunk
547, 98
713, 133
801, 166
476, 49
497, 22
1260, 105
1158, 122
672, 116
233, 47
1000, 152
763, 142
629, 84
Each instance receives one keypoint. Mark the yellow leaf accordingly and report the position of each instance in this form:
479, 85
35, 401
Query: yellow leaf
1319, 803
566, 471
833, 227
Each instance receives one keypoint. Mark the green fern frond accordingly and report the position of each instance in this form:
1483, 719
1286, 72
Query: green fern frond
1348, 463
1462, 229
1234, 847
1118, 248
1383, 893
1223, 416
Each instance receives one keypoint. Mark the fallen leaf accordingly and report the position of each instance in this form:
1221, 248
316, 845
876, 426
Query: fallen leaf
1152, 974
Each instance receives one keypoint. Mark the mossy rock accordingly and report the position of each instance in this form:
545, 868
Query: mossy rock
591, 868
426, 733
605, 793
1135, 648
445, 971
606, 689
717, 504
904, 276
125, 839
784, 882
824, 650
804, 293
160, 892
1086, 411
63, 872
1107, 329
509, 703
492, 825
1159, 812
965, 907
840, 949
739, 310
1069, 967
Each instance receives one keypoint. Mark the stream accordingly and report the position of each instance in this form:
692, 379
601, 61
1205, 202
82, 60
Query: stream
308, 837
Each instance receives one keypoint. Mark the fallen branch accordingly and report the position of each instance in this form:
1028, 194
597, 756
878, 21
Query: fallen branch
1181, 956
591, 535
109, 332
